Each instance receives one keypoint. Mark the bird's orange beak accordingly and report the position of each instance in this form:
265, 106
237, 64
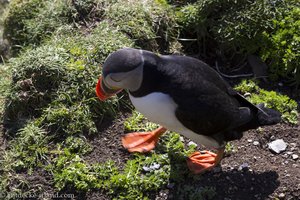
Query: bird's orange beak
103, 92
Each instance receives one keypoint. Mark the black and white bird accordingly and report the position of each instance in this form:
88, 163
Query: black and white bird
182, 94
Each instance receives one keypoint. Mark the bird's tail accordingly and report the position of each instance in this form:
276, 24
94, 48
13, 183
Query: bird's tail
254, 117
267, 116
261, 115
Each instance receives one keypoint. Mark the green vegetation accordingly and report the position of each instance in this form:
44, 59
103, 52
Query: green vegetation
48, 104
4, 85
286, 106
283, 50
149, 26
231, 30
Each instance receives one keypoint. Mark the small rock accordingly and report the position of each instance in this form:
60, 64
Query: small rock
247, 94
217, 169
170, 185
181, 139
151, 167
293, 144
277, 146
255, 143
146, 169
272, 137
191, 143
289, 153
244, 167
295, 156
250, 140
281, 196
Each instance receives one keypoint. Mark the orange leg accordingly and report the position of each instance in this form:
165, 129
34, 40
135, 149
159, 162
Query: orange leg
200, 162
142, 141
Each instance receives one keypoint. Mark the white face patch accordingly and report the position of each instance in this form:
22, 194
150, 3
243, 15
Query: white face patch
131, 80
160, 108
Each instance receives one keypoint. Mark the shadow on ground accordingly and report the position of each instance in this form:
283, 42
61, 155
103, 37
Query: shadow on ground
233, 184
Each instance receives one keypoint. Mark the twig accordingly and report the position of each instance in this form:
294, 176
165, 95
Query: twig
231, 76
187, 40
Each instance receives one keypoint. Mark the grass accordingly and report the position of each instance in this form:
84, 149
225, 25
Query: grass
4, 85
148, 23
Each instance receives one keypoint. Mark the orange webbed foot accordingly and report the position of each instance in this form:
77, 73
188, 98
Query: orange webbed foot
142, 141
200, 162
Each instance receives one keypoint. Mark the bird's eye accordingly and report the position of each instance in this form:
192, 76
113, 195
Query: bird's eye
114, 79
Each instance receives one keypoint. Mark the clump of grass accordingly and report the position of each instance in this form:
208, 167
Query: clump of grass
63, 121
285, 105
5, 73
37, 74
19, 12
28, 150
134, 123
145, 22
29, 22
13, 185
229, 148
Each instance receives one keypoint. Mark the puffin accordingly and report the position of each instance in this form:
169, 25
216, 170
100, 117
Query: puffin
184, 95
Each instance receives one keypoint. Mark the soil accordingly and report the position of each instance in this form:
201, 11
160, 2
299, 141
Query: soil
265, 176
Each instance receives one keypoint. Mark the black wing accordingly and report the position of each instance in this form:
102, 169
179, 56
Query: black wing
206, 103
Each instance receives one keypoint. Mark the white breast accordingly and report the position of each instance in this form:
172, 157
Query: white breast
160, 108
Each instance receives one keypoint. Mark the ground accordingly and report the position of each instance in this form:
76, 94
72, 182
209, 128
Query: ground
265, 175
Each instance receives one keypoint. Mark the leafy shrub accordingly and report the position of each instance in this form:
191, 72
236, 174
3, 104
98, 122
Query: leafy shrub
89, 9
286, 106
232, 27
283, 51
70, 171
77, 145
